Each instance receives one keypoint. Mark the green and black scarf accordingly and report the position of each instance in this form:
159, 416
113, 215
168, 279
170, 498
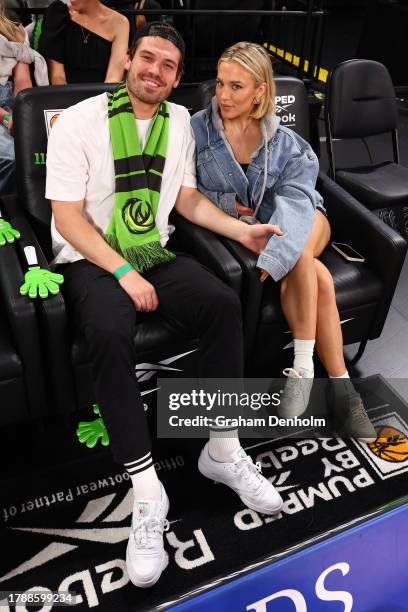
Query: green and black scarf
132, 230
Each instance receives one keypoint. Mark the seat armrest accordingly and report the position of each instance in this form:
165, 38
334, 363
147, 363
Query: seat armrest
252, 290
53, 323
209, 250
383, 248
21, 316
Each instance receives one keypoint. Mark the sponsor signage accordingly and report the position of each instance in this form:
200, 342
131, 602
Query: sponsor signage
361, 569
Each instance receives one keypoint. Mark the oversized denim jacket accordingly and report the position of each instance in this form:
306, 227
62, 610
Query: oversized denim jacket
282, 180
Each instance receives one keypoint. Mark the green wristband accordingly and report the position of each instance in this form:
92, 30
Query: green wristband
122, 270
6, 119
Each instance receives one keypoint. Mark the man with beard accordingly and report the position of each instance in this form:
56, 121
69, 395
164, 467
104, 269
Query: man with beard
117, 164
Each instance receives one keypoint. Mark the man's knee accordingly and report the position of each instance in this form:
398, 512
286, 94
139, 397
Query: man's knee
222, 302
109, 333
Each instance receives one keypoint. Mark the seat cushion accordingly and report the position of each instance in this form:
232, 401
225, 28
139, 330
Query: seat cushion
376, 186
355, 285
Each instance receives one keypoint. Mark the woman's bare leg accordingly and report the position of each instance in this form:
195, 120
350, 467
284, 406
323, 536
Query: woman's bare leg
329, 337
299, 288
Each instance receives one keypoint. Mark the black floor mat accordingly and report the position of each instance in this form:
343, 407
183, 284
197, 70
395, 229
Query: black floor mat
65, 527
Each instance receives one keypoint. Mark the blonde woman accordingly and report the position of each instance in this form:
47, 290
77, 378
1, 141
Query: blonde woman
14, 76
256, 170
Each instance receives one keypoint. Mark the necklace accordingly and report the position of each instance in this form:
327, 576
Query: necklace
85, 36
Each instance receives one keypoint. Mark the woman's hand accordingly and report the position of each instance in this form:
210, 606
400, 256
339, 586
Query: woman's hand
9, 126
243, 211
263, 275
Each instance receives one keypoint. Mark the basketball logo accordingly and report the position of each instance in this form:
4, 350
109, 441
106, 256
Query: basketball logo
138, 216
53, 119
391, 444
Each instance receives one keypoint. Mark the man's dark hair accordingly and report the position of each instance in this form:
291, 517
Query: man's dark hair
163, 30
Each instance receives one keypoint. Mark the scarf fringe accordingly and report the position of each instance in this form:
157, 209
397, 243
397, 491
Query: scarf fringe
142, 257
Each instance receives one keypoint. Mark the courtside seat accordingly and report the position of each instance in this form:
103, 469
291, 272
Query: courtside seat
13, 399
363, 290
361, 104
158, 341
23, 393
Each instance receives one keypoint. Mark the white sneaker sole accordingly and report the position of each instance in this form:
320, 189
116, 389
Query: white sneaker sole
215, 477
148, 583
145, 584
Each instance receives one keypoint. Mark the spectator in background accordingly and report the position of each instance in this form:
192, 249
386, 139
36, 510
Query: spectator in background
84, 42
12, 11
15, 57
136, 21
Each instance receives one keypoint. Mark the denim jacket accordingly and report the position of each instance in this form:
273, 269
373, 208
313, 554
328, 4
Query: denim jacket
280, 179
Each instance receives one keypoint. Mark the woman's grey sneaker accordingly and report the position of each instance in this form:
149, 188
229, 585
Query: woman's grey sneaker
245, 478
145, 554
296, 394
350, 420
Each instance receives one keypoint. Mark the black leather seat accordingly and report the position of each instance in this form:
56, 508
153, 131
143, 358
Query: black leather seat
363, 291
360, 103
22, 378
156, 339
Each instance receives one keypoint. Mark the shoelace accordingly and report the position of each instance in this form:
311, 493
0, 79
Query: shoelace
250, 471
147, 528
357, 409
292, 386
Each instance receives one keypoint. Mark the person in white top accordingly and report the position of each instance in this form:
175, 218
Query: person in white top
106, 294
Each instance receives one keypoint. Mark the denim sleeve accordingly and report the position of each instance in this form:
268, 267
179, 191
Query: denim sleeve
225, 201
293, 202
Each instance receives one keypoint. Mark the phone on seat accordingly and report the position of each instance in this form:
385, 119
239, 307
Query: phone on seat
347, 252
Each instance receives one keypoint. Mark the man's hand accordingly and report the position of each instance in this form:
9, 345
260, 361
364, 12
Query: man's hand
140, 291
255, 237
243, 211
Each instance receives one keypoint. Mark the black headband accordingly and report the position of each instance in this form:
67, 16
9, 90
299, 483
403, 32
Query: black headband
164, 30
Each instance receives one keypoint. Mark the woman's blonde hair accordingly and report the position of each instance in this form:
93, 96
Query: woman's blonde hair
256, 61
9, 29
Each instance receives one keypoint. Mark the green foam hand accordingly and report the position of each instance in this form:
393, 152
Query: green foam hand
89, 432
38, 281
7, 233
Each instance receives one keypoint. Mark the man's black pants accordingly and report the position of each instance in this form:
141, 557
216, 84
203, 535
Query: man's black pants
107, 317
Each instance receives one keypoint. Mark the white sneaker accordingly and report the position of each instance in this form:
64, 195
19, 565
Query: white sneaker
145, 554
245, 478
296, 394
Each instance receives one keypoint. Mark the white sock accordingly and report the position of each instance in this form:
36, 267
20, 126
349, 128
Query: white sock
222, 448
146, 485
303, 362
343, 388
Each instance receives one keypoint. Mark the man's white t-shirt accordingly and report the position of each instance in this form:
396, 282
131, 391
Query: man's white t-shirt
80, 166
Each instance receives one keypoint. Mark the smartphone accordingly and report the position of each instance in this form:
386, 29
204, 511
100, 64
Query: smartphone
347, 252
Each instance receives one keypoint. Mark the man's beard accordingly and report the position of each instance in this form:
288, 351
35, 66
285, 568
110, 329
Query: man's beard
138, 90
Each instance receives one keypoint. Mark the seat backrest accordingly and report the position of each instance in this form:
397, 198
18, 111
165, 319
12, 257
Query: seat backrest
291, 102
35, 112
38, 108
360, 100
